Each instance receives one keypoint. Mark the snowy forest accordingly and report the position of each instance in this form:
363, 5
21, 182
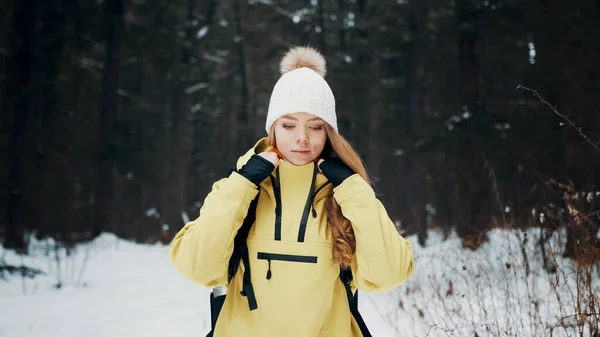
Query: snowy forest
478, 120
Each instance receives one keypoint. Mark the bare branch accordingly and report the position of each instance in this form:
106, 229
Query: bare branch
568, 121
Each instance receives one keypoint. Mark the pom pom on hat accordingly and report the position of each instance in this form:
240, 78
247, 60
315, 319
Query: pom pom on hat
303, 57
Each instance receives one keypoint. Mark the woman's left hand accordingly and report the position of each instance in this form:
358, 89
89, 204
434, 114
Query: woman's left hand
335, 170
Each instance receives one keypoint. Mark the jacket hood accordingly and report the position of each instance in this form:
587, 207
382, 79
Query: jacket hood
260, 146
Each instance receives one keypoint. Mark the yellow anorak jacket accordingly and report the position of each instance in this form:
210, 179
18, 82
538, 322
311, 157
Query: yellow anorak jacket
303, 294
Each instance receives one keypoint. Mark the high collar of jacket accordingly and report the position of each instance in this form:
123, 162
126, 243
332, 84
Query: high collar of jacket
294, 175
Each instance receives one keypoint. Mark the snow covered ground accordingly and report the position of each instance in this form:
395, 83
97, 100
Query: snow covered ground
115, 288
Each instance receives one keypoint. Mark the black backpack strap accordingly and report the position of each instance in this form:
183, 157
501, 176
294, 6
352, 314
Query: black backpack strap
240, 253
247, 289
240, 240
346, 278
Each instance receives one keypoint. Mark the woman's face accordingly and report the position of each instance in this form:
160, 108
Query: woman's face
300, 137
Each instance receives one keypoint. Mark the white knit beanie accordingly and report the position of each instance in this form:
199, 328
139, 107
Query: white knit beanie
302, 88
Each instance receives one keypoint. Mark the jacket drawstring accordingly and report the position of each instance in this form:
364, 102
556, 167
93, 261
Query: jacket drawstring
313, 196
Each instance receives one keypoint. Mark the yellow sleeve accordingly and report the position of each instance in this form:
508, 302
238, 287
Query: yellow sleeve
383, 258
202, 248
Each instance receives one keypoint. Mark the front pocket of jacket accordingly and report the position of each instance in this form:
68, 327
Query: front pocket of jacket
284, 257
287, 257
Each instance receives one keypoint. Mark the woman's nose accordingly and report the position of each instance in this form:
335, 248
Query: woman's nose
301, 137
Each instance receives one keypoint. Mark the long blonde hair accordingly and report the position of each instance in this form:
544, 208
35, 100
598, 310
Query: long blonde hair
344, 243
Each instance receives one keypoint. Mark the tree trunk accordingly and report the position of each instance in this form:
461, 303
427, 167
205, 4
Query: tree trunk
375, 112
49, 192
200, 132
20, 75
243, 115
471, 179
6, 117
342, 29
5, 24
370, 62
321, 32
182, 145
113, 11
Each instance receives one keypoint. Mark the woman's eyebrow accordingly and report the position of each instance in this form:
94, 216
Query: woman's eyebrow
295, 119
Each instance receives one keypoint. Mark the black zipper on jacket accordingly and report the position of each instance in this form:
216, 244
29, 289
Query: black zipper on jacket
287, 257
277, 191
284, 257
308, 207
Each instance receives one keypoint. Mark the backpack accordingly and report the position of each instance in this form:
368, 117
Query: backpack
240, 253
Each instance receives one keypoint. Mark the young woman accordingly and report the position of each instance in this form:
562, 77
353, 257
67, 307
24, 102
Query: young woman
315, 222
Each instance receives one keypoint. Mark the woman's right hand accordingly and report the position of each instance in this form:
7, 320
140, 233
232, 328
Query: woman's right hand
270, 156
259, 167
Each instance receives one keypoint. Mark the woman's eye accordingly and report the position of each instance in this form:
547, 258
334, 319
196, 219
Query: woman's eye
317, 127
288, 126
